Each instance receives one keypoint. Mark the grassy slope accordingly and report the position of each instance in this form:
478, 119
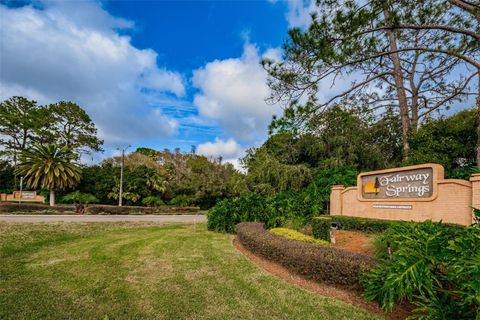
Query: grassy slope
143, 271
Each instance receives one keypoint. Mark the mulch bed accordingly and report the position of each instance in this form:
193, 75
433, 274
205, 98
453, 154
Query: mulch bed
354, 241
350, 297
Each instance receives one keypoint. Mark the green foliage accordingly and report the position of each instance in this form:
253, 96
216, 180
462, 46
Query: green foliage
229, 212
182, 200
321, 225
267, 175
476, 217
298, 236
330, 265
71, 126
450, 142
79, 197
435, 266
99, 180
24, 123
152, 201
316, 196
462, 173
354, 36
48, 167
6, 177
281, 209
321, 228
20, 120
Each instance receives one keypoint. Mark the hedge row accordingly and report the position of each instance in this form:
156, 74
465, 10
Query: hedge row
109, 209
32, 207
321, 225
330, 265
8, 207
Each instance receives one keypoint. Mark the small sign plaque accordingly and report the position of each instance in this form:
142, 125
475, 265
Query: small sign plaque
393, 206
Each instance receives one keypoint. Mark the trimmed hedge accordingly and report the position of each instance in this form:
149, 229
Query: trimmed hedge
31, 207
93, 209
109, 209
330, 265
321, 225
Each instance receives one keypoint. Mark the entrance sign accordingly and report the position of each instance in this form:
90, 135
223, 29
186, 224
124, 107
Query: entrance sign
410, 184
24, 195
414, 193
414, 183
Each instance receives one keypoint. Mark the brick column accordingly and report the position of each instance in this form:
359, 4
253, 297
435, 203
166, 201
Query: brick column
475, 179
336, 200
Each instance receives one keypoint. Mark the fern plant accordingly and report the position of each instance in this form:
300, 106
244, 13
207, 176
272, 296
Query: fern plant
434, 266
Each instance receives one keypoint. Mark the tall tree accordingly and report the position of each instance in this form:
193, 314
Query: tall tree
73, 127
404, 68
49, 167
20, 118
23, 123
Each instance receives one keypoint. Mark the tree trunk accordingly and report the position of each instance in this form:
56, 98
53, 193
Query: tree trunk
400, 87
478, 122
52, 197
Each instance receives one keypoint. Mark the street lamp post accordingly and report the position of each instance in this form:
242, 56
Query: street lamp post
121, 175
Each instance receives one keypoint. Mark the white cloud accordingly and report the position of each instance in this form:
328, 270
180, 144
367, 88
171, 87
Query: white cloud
73, 51
230, 150
299, 12
224, 148
233, 93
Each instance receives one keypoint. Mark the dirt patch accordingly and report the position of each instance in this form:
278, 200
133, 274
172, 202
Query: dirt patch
354, 241
350, 297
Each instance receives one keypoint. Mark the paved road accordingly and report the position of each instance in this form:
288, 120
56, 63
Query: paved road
101, 218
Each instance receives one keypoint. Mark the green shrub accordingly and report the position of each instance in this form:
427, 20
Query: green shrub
321, 228
321, 225
79, 197
109, 209
152, 201
298, 236
32, 207
433, 265
330, 265
182, 201
229, 212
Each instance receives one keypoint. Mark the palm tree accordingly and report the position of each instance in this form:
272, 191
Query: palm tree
48, 167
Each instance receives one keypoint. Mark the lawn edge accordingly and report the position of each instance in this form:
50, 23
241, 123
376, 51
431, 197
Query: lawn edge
322, 289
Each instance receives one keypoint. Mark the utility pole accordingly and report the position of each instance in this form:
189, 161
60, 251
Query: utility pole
121, 175
21, 189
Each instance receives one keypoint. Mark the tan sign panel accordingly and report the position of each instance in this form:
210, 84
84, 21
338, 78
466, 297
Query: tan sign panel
415, 183
24, 195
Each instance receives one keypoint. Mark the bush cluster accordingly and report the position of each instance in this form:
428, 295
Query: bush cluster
290, 208
298, 236
152, 201
31, 207
433, 265
79, 197
108, 209
229, 212
330, 265
321, 225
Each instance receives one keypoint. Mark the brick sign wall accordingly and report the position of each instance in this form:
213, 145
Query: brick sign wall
415, 193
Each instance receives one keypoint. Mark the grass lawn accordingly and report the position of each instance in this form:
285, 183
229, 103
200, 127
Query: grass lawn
143, 271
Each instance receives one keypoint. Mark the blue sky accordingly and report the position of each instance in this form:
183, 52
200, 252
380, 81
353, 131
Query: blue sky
160, 74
